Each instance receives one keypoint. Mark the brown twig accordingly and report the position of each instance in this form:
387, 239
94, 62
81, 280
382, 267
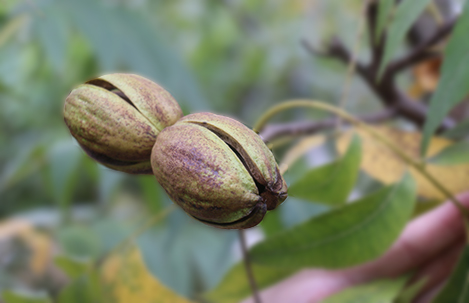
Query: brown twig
273, 131
422, 52
397, 102
247, 265
386, 89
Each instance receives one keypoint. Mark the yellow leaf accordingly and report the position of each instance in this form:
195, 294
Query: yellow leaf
127, 280
382, 164
300, 149
38, 244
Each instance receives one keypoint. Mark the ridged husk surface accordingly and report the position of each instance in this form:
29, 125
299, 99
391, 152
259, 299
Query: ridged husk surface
218, 170
116, 119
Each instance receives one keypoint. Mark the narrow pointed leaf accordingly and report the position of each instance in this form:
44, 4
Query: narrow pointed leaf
332, 183
454, 154
410, 292
346, 236
452, 87
406, 13
384, 10
459, 131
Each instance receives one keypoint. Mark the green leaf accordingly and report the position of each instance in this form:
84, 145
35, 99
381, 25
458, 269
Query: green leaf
457, 287
22, 166
124, 37
384, 10
409, 293
64, 158
11, 27
17, 297
87, 288
383, 291
234, 287
457, 153
346, 236
191, 250
330, 184
151, 191
109, 183
297, 211
272, 223
80, 242
110, 233
53, 38
72, 267
406, 14
93, 21
452, 87
459, 131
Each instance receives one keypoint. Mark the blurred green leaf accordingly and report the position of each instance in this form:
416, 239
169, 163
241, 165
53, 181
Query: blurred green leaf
13, 25
272, 223
91, 168
22, 166
153, 58
459, 131
295, 211
383, 291
110, 233
452, 86
79, 242
364, 230
53, 38
125, 278
190, 250
406, 14
124, 38
385, 8
109, 182
454, 154
21, 297
410, 292
235, 286
64, 159
95, 23
152, 193
330, 184
72, 267
457, 287
86, 288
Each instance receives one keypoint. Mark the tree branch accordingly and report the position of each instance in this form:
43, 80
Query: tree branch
386, 89
397, 102
422, 52
273, 131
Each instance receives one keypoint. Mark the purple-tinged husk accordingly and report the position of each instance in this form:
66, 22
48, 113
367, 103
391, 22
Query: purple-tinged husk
218, 171
117, 117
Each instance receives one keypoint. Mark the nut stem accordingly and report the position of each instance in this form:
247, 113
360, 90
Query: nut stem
247, 265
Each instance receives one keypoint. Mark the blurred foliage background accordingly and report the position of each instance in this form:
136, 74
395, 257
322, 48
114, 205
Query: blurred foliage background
231, 57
